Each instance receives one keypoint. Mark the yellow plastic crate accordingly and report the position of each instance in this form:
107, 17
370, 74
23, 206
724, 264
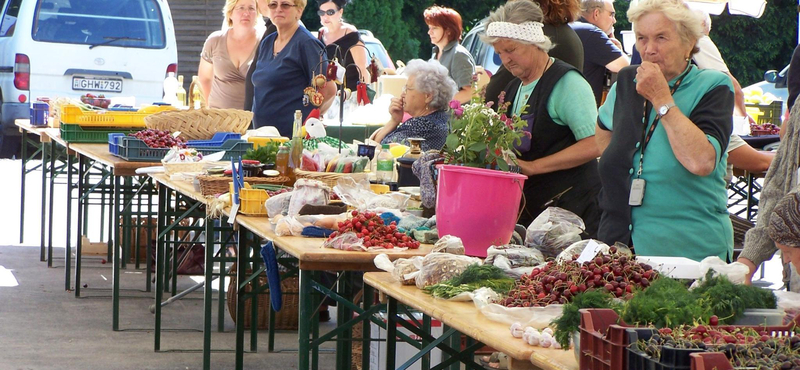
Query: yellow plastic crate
261, 141
251, 201
101, 118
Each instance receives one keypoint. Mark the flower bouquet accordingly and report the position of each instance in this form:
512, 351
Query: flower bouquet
482, 137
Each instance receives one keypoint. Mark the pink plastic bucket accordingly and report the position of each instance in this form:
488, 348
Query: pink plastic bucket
479, 206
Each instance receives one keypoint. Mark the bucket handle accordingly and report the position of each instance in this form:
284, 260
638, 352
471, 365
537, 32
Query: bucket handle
524, 200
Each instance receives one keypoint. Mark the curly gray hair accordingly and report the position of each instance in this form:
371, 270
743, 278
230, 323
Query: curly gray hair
517, 12
432, 78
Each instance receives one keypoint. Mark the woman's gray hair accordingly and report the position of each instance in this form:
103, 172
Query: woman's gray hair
517, 12
432, 78
689, 23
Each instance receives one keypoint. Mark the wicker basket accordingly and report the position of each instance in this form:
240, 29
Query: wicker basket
171, 168
211, 185
285, 319
201, 124
329, 178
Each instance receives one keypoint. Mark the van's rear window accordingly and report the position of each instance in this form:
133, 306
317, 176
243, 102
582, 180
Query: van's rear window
119, 23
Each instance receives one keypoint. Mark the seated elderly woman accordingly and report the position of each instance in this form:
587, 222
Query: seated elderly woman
425, 98
784, 229
675, 145
560, 157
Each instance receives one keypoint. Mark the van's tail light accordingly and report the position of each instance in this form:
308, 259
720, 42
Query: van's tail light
172, 68
22, 72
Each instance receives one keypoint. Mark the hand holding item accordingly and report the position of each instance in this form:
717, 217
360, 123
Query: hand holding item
651, 84
396, 110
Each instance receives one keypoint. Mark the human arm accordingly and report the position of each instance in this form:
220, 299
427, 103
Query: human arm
749, 159
396, 112
461, 69
689, 143
575, 155
205, 74
464, 94
738, 99
602, 138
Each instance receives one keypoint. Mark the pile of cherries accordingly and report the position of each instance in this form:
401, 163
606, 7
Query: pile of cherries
369, 227
159, 139
617, 273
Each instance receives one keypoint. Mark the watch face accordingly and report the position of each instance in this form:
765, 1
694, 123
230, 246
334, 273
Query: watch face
663, 110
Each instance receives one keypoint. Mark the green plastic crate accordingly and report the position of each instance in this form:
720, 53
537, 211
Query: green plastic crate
76, 134
770, 113
135, 150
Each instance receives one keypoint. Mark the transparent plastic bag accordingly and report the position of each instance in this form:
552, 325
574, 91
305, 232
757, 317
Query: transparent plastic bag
515, 260
449, 244
789, 302
554, 230
438, 267
360, 195
736, 272
308, 192
286, 226
536, 317
346, 242
578, 247
402, 269
278, 205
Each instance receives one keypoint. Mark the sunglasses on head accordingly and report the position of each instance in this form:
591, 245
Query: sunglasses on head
329, 12
284, 6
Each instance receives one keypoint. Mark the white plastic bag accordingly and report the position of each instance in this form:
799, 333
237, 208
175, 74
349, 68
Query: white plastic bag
736, 272
278, 205
438, 267
789, 302
449, 244
346, 242
536, 317
554, 230
360, 195
402, 269
288, 225
578, 247
515, 260
308, 192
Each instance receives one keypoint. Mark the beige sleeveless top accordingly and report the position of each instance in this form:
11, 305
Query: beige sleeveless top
227, 86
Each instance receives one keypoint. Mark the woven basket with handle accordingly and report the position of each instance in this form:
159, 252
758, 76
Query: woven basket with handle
201, 124
329, 178
285, 319
211, 185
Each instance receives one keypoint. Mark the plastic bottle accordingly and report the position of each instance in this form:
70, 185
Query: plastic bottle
282, 162
297, 141
385, 165
181, 92
171, 89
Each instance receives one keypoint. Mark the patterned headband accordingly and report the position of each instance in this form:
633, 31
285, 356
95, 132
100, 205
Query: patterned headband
527, 31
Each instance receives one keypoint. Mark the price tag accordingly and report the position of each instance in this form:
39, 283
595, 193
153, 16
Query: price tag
589, 252
234, 211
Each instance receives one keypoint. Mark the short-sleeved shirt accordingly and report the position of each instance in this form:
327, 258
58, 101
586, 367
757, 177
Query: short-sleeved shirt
227, 86
458, 62
432, 128
734, 143
598, 51
682, 214
279, 80
708, 56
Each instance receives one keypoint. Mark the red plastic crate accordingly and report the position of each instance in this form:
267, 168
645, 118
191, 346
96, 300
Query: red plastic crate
710, 361
603, 340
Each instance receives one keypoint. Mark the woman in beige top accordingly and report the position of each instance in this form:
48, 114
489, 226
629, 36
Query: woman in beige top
227, 55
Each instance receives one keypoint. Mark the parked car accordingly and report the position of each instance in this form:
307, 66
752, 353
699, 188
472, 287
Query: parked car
376, 48
483, 54
67, 48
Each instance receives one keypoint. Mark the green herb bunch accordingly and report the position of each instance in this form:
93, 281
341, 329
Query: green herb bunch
570, 319
264, 154
729, 300
667, 303
474, 277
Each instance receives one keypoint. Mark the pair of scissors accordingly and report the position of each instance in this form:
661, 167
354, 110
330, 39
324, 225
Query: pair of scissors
238, 179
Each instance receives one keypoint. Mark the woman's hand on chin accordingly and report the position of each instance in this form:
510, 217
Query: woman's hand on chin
396, 111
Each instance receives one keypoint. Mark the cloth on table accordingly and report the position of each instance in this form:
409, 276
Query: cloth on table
316, 232
425, 235
411, 222
423, 169
389, 217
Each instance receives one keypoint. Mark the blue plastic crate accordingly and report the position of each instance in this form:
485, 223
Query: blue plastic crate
113, 142
135, 150
218, 139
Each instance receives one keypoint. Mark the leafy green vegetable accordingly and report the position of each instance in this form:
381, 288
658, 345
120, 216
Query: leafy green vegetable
729, 300
570, 319
666, 303
474, 277
264, 154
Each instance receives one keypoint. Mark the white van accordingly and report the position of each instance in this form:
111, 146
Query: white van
67, 48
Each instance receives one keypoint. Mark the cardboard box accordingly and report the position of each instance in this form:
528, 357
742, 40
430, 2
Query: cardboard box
404, 351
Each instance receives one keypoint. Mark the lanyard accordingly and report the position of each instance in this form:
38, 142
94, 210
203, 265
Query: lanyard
648, 134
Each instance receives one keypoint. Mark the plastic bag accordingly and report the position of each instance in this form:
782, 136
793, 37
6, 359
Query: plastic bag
438, 267
402, 269
288, 225
789, 302
736, 272
554, 230
346, 242
515, 260
536, 317
449, 244
308, 192
578, 247
278, 205
360, 196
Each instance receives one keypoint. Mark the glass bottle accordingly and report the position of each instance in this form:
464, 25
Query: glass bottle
385, 165
181, 92
297, 141
282, 162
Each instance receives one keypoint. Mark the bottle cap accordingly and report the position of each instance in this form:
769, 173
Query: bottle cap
385, 146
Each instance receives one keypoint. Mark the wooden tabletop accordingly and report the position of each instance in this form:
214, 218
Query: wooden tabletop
100, 153
184, 187
25, 126
464, 317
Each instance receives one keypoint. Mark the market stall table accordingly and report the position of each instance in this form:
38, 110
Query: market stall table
26, 130
312, 259
759, 142
124, 200
464, 317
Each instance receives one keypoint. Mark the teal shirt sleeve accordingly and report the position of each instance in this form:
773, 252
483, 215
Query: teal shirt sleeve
572, 104
605, 116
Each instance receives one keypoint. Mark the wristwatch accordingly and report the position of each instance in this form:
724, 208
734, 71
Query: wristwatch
664, 109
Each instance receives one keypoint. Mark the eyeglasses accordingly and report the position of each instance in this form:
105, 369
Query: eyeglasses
284, 6
242, 9
328, 12
406, 88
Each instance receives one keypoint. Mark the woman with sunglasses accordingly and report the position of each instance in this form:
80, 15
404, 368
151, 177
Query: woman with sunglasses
342, 41
227, 55
288, 60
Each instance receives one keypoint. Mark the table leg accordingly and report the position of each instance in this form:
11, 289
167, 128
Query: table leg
255, 258
208, 293
43, 219
115, 253
163, 208
82, 205
24, 157
244, 244
148, 252
304, 322
343, 314
426, 327
68, 246
369, 296
391, 333
315, 301
50, 204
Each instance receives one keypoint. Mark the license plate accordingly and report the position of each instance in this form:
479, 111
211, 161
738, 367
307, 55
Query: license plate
97, 84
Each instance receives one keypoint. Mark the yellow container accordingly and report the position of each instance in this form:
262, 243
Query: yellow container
261, 141
101, 118
379, 188
251, 201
